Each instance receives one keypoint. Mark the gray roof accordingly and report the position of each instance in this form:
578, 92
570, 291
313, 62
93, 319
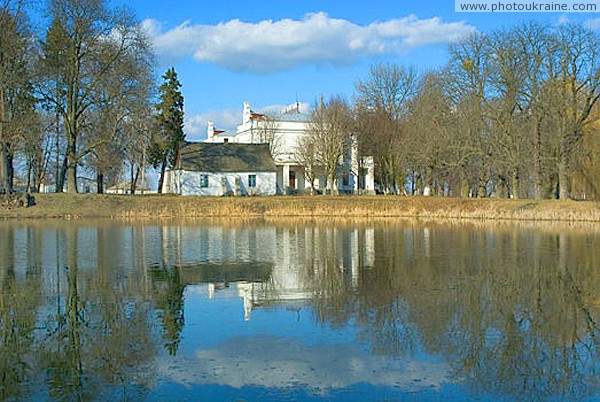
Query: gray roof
225, 157
292, 116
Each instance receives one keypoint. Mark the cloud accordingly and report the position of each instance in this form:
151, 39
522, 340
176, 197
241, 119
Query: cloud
227, 119
268, 46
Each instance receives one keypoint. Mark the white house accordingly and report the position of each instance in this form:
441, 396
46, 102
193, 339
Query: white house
283, 132
222, 169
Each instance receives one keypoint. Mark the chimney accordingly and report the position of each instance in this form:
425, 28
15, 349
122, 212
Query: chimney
246, 114
210, 131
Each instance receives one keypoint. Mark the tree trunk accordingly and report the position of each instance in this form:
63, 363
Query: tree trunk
62, 175
29, 174
99, 183
5, 181
563, 179
481, 188
537, 168
72, 178
11, 168
134, 178
465, 190
515, 185
161, 178
72, 163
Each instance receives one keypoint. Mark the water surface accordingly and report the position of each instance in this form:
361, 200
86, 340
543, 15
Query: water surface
255, 310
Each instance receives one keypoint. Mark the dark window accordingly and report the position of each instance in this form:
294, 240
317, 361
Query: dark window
252, 180
204, 181
292, 179
345, 179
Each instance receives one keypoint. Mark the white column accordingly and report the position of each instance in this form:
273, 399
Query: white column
286, 178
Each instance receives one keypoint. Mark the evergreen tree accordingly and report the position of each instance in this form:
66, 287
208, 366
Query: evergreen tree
169, 133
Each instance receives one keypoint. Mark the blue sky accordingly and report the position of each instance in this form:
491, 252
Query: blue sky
273, 53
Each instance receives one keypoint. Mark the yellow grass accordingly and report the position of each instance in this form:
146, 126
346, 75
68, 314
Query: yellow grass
87, 206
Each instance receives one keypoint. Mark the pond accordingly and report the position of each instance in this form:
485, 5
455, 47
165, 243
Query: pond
301, 310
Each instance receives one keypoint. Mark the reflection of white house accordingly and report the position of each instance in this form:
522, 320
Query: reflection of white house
222, 169
294, 257
283, 132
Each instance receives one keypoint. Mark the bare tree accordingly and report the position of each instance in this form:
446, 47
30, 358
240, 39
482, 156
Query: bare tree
136, 141
576, 84
383, 100
430, 127
17, 107
468, 74
87, 45
329, 132
306, 155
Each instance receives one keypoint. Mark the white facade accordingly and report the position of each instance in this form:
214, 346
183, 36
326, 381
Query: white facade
218, 184
217, 169
284, 131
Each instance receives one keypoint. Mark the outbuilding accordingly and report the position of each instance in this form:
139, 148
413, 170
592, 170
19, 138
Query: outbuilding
224, 168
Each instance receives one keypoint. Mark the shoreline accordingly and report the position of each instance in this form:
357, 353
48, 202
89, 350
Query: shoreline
86, 206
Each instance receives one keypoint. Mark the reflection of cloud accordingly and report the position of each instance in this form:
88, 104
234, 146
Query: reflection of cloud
273, 362
268, 46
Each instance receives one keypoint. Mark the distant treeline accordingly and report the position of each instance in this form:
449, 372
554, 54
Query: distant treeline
514, 113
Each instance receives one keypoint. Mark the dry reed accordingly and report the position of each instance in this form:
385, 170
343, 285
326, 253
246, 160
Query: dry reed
79, 206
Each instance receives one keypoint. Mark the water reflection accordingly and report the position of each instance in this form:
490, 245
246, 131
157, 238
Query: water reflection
113, 310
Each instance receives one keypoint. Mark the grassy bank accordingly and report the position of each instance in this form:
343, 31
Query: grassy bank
80, 206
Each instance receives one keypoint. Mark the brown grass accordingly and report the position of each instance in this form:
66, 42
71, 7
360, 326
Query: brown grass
88, 206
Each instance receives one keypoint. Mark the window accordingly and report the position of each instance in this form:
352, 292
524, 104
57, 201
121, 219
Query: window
204, 181
251, 180
345, 179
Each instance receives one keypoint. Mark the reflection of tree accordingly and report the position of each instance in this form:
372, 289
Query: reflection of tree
123, 342
169, 302
92, 339
511, 310
18, 303
64, 359
535, 336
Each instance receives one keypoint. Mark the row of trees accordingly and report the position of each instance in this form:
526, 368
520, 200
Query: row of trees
512, 114
81, 95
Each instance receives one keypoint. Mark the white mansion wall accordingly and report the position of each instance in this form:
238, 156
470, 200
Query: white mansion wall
189, 183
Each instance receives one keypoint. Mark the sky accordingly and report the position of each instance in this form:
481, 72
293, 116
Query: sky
274, 53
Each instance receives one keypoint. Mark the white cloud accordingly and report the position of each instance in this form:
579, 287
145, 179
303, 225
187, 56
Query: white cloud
227, 119
269, 46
